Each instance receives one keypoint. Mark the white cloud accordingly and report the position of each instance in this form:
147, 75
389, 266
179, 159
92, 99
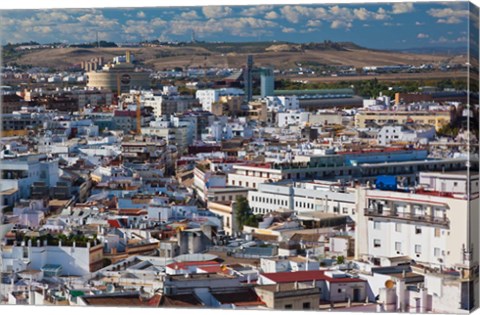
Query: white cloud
392, 24
417, 23
400, 8
422, 35
381, 14
337, 24
141, 14
242, 26
216, 12
288, 30
448, 15
42, 29
291, 13
190, 15
450, 20
362, 14
256, 10
314, 23
272, 15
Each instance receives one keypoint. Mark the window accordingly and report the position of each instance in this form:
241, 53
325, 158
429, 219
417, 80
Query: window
345, 210
418, 249
418, 230
398, 246
376, 225
376, 243
455, 184
436, 252
398, 227
288, 306
306, 306
437, 232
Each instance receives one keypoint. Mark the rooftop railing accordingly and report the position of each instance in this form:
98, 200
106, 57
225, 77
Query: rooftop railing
406, 216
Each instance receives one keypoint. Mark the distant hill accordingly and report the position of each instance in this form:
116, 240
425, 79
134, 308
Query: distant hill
281, 55
450, 51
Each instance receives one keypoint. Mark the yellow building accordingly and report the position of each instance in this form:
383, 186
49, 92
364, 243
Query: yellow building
228, 105
257, 111
119, 76
364, 119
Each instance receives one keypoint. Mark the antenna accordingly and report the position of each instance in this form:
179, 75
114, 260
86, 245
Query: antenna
193, 36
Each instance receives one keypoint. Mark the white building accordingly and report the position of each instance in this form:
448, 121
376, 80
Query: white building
303, 196
433, 228
210, 96
23, 171
405, 133
282, 103
292, 117
74, 260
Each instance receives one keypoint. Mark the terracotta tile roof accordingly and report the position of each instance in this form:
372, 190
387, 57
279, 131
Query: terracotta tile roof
244, 297
183, 300
305, 276
184, 265
122, 300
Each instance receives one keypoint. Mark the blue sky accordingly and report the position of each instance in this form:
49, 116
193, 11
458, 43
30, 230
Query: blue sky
384, 25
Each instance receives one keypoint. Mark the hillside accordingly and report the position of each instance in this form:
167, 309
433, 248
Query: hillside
279, 55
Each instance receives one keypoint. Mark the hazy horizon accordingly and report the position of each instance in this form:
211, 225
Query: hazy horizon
371, 25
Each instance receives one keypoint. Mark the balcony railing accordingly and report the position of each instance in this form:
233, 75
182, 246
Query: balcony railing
405, 216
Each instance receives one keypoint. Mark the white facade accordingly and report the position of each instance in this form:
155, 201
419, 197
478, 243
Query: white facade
210, 96
302, 197
429, 229
282, 103
75, 261
207, 98
23, 172
388, 134
296, 117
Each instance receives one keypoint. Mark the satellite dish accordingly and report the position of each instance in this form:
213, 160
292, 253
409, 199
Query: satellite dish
110, 288
389, 284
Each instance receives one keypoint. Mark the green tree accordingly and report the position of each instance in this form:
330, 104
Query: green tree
243, 213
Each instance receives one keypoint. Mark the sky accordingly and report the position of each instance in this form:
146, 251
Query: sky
382, 26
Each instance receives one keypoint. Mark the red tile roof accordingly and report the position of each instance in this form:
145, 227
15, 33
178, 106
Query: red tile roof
305, 276
185, 264
214, 269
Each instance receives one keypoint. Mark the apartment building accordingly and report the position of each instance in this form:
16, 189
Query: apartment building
362, 166
21, 172
434, 228
328, 197
366, 118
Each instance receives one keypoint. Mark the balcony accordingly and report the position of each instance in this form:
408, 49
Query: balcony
410, 217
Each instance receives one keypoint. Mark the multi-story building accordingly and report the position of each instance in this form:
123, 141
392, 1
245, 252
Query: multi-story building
366, 118
21, 172
74, 259
360, 166
282, 103
405, 133
257, 111
208, 97
303, 196
430, 226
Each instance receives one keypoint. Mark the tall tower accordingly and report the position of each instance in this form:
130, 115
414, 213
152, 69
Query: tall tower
248, 79
267, 82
